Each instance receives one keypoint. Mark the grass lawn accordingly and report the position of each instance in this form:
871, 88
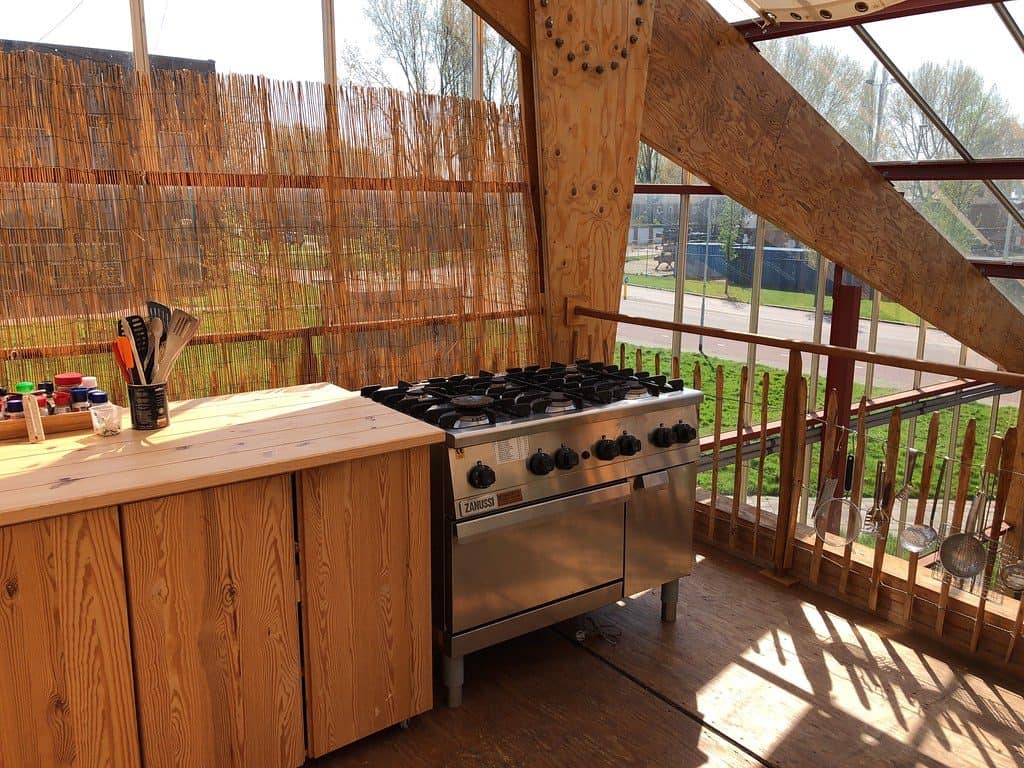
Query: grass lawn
875, 450
887, 312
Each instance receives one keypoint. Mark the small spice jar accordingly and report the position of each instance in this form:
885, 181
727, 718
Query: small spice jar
25, 387
67, 381
15, 408
79, 399
61, 402
90, 382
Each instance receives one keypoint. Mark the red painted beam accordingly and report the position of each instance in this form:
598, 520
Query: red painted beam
952, 170
753, 32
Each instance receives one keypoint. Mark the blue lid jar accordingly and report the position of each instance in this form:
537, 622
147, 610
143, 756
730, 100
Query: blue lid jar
97, 397
79, 395
15, 406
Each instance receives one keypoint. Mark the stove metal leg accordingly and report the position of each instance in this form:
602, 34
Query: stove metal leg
454, 673
669, 600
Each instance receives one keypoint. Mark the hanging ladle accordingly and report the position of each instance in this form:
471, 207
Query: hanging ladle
837, 522
918, 538
963, 554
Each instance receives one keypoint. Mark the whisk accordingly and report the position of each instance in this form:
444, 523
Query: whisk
908, 484
873, 519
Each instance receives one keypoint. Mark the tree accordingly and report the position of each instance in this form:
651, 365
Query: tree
729, 219
426, 46
834, 83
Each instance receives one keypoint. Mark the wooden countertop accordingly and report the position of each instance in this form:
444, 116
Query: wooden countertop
212, 441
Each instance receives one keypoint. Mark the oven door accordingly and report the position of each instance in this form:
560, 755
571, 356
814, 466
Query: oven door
659, 527
513, 561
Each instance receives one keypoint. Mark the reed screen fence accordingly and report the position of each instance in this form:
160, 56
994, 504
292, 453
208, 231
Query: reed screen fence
351, 235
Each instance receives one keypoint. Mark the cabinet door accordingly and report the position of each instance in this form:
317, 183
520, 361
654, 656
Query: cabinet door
214, 616
364, 533
65, 668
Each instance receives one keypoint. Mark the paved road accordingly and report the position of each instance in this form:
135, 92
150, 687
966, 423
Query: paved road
893, 338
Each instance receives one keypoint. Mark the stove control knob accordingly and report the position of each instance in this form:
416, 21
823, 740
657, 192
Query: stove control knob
541, 463
606, 449
684, 432
663, 436
629, 444
481, 476
566, 458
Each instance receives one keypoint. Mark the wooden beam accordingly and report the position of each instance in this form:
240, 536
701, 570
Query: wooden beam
714, 102
714, 105
589, 72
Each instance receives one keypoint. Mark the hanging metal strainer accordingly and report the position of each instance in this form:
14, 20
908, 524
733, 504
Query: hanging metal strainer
963, 554
837, 521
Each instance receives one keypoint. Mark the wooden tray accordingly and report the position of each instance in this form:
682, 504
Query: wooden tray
17, 429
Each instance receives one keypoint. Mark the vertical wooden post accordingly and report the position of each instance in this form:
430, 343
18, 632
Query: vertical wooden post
761, 455
1007, 456
716, 448
826, 470
888, 497
140, 45
788, 455
738, 485
963, 485
857, 493
922, 502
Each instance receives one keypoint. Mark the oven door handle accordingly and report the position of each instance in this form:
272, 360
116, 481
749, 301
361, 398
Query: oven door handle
471, 529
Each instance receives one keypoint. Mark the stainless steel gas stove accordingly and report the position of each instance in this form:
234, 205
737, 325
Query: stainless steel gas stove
558, 490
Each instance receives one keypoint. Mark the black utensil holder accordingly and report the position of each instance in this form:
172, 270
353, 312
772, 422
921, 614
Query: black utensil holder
148, 406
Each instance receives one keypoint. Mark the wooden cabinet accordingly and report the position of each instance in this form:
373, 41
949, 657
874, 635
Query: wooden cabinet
214, 617
66, 695
364, 532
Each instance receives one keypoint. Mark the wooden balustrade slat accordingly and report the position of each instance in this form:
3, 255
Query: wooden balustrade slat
738, 484
889, 495
761, 454
1008, 452
828, 447
716, 447
922, 502
963, 485
857, 492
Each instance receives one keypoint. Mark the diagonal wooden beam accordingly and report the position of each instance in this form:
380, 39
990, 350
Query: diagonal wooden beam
715, 106
714, 102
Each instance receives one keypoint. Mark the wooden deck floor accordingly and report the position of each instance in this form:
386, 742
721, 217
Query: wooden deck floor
752, 674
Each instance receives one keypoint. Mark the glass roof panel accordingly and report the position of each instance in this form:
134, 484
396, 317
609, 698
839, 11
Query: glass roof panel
967, 66
733, 10
967, 215
1011, 289
840, 77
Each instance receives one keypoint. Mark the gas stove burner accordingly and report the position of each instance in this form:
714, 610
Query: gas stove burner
470, 419
559, 404
636, 392
471, 403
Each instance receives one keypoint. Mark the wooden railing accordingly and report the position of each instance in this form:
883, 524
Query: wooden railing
985, 619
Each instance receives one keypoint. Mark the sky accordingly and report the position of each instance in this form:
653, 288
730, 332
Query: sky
282, 38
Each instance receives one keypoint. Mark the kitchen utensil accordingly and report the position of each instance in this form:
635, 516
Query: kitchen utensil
183, 328
908, 481
872, 521
121, 364
162, 311
135, 329
156, 333
126, 356
839, 522
963, 554
918, 538
1012, 576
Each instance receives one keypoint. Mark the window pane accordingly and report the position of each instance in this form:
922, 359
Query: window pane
967, 66
278, 40
655, 168
87, 23
966, 214
840, 78
733, 10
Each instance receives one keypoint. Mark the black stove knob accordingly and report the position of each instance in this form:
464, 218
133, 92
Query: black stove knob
541, 463
481, 476
663, 436
606, 449
629, 445
566, 458
684, 432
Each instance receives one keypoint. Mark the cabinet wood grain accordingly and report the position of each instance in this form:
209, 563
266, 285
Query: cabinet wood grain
214, 616
364, 535
66, 695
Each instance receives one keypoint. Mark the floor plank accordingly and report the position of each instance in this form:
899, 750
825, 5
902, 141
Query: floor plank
790, 676
800, 679
542, 701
